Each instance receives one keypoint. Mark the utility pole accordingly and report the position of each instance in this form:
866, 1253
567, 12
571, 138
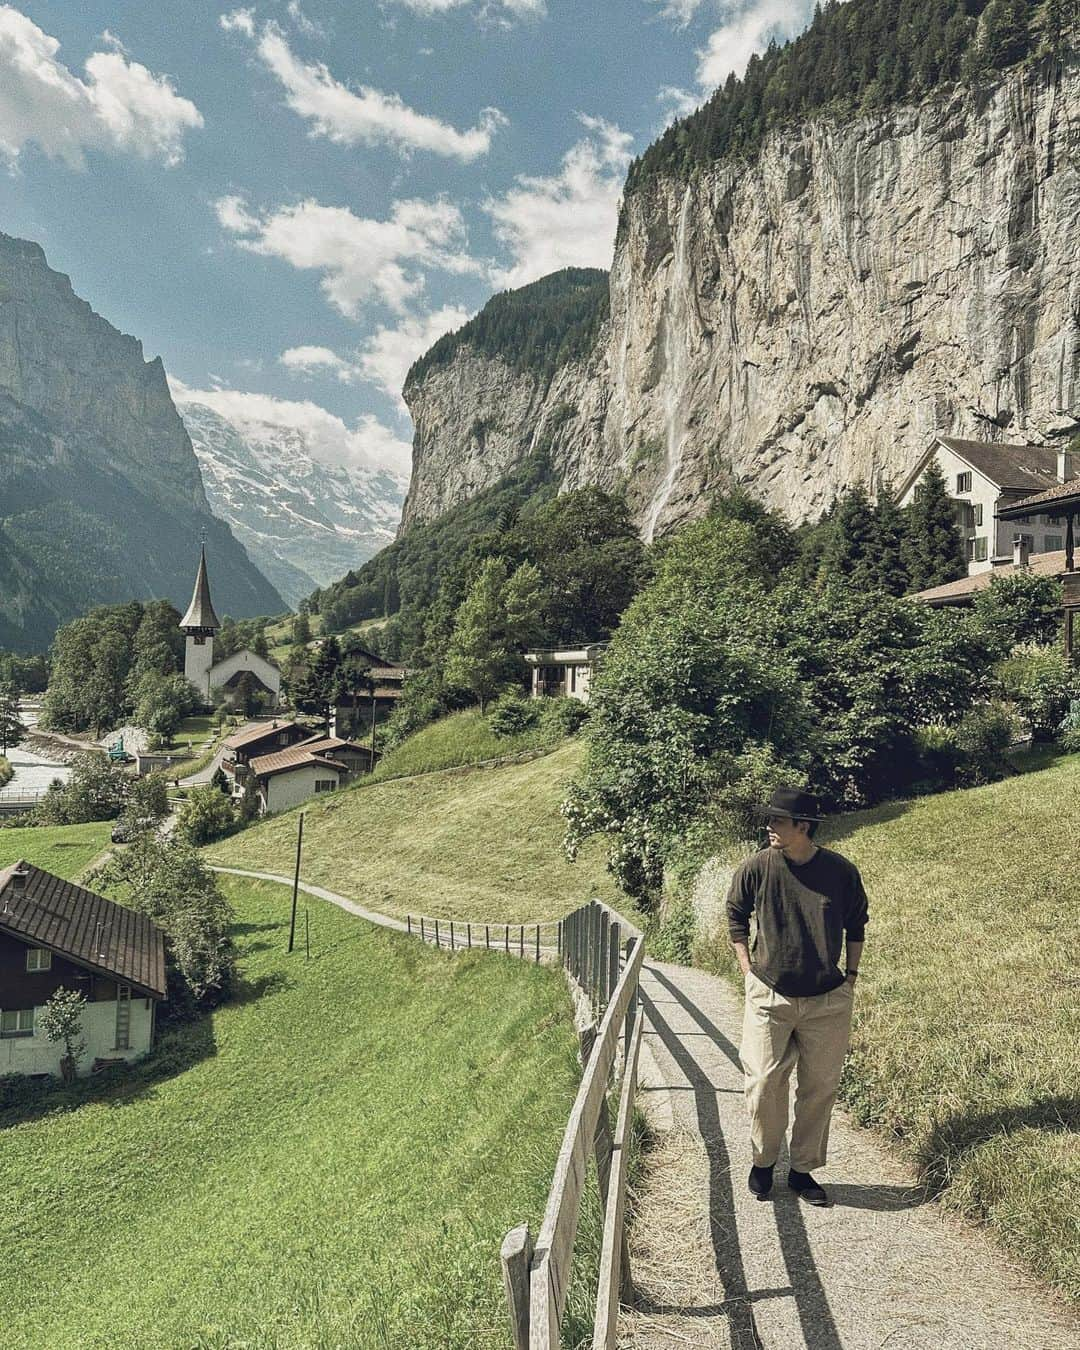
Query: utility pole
296, 881
373, 725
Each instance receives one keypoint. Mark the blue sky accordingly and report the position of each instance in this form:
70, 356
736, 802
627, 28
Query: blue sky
289, 201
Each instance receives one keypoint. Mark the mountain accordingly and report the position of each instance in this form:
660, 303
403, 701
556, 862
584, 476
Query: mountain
837, 257
101, 499
302, 520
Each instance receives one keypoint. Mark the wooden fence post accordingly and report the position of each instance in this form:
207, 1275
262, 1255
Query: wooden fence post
487, 938
423, 935
537, 944
438, 943
516, 1254
631, 1007
506, 937
602, 962
613, 957
468, 935
408, 924
558, 939
521, 940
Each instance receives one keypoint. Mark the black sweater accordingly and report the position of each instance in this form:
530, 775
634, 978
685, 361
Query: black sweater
802, 911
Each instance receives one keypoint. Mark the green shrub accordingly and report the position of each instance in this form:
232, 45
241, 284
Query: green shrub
983, 735
939, 756
206, 816
512, 714
1041, 683
561, 717
1069, 727
670, 935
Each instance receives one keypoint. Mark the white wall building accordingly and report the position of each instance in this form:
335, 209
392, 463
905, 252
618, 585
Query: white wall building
565, 672
53, 935
200, 623
981, 477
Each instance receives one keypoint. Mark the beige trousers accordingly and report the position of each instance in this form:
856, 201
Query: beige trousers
781, 1034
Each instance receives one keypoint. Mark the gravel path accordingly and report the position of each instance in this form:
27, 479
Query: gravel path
881, 1269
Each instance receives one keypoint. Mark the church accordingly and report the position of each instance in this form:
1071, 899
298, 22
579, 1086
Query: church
200, 623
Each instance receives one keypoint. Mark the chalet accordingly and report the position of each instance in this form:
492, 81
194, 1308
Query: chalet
288, 777
983, 479
54, 934
354, 713
200, 624
564, 672
261, 738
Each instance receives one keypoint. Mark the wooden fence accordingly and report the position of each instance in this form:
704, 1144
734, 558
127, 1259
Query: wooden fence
532, 941
536, 1274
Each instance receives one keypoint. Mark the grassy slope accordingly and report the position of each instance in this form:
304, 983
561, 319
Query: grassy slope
332, 1162
462, 738
65, 850
967, 1030
480, 844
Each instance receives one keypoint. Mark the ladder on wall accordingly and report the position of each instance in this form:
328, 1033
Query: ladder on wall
123, 1017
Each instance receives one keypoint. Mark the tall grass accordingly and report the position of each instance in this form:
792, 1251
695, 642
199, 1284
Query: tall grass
64, 850
332, 1160
452, 742
483, 845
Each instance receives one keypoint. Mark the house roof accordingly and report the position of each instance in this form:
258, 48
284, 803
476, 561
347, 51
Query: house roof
325, 744
1020, 467
1061, 495
252, 735
284, 761
566, 656
99, 934
200, 613
966, 588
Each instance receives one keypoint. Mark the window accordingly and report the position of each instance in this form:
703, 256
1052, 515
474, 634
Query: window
325, 784
37, 958
1054, 543
18, 1022
1028, 539
979, 553
283, 738
978, 510
1054, 520
963, 482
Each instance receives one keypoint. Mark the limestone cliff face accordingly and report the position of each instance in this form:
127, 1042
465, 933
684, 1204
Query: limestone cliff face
101, 499
808, 320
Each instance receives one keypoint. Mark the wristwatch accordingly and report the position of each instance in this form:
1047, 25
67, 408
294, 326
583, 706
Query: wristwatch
849, 971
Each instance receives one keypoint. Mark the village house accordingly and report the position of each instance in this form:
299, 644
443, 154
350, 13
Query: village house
286, 764
200, 624
566, 672
983, 479
354, 712
54, 934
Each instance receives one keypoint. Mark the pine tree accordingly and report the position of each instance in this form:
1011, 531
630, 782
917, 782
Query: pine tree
11, 726
477, 657
851, 550
889, 525
932, 551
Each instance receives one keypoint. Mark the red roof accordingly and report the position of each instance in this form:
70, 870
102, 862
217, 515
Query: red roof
295, 757
253, 735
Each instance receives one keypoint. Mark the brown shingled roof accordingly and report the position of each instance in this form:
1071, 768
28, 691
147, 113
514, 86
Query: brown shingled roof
295, 757
1028, 468
84, 927
200, 613
252, 735
966, 588
1056, 496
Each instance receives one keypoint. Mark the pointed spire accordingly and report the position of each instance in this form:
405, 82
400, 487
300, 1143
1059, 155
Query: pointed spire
200, 612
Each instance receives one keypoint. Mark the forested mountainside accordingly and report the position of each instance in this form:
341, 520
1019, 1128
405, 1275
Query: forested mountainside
831, 261
100, 494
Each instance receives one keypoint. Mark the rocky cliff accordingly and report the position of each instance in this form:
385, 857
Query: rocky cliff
808, 319
101, 499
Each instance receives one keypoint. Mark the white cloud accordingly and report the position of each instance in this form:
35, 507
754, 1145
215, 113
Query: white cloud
521, 9
368, 444
569, 219
360, 259
364, 116
304, 24
682, 11
385, 357
678, 102
749, 30
239, 21
119, 106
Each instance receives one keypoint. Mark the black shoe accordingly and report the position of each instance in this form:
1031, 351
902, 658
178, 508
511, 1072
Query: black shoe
760, 1182
806, 1188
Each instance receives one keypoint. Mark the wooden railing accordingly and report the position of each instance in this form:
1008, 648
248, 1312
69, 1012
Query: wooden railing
536, 1274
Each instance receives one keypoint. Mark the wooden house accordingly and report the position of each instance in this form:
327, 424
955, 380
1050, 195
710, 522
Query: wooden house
53, 935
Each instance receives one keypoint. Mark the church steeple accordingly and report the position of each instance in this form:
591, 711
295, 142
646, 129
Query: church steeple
200, 617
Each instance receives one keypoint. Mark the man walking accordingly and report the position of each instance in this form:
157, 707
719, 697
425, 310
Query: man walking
804, 900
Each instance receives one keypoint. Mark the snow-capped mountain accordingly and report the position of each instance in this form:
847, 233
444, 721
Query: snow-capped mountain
303, 520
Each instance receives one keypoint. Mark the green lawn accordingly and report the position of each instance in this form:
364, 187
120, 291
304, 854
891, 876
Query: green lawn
330, 1161
462, 738
966, 1046
65, 850
479, 844
193, 733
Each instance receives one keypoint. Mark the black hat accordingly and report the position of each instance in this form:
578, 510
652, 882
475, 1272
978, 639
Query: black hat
793, 803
